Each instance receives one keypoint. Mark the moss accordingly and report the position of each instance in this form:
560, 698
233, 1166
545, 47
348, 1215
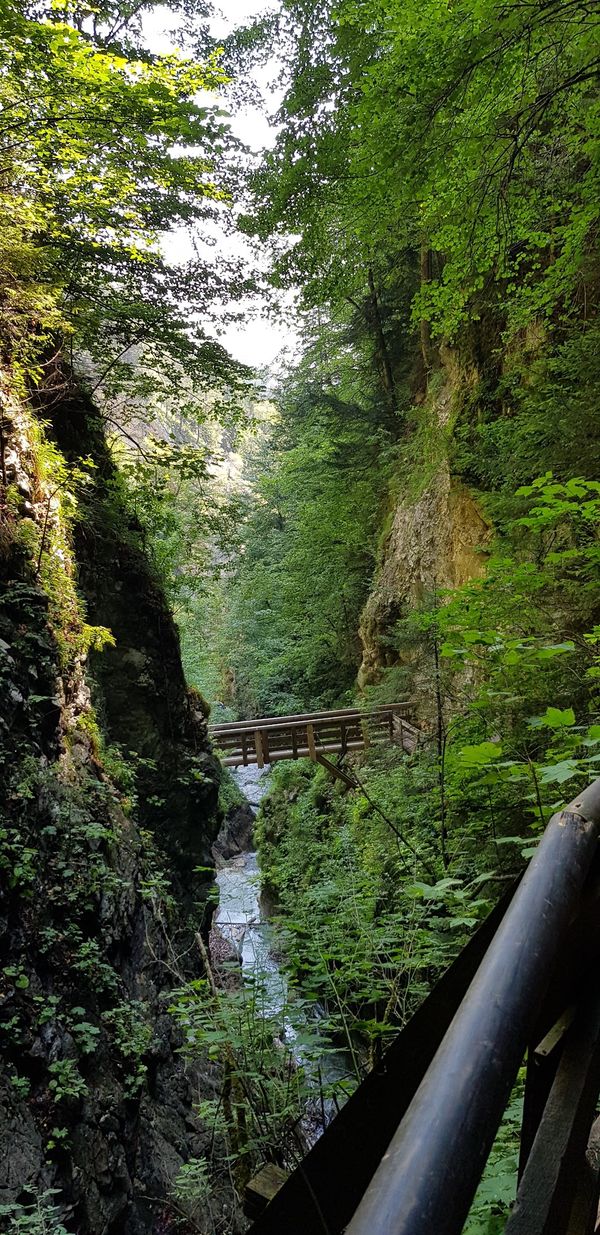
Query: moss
139, 691
230, 794
198, 701
94, 937
426, 447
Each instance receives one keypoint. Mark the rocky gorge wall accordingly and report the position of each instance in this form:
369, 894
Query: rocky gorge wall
438, 535
138, 684
97, 915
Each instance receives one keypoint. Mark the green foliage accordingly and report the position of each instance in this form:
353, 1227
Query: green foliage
294, 595
434, 176
40, 1216
264, 1086
379, 888
133, 1033
496, 1192
86, 1035
88, 191
539, 412
367, 918
105, 147
17, 975
44, 535
62, 848
190, 521
230, 795
21, 1085
193, 1185
453, 130
66, 1080
520, 635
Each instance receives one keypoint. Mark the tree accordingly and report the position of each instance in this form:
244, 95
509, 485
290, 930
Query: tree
466, 132
104, 147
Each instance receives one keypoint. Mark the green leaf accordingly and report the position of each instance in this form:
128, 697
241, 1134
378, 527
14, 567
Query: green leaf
551, 650
554, 718
431, 891
480, 755
559, 772
512, 658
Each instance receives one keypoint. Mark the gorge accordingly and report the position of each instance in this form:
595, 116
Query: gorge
403, 508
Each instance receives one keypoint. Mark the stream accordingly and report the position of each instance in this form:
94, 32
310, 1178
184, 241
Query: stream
239, 915
241, 921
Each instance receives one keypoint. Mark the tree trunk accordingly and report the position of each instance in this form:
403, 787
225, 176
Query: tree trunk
381, 347
425, 328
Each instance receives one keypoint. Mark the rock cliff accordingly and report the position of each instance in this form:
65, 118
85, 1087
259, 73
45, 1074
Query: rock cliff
437, 539
97, 915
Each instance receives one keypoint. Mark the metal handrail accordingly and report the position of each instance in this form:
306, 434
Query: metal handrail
428, 1177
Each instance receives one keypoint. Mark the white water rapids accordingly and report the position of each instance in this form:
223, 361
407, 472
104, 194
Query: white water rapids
241, 922
239, 917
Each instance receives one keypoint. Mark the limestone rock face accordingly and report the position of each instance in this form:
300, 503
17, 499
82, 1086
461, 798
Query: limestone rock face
438, 539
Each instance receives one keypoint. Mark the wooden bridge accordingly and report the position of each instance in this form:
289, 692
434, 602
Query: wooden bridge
314, 735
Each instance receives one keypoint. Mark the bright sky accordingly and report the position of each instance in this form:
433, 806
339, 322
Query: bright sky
255, 341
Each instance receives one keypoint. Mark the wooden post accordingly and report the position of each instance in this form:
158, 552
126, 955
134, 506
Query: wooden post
265, 744
258, 747
343, 732
584, 1215
310, 741
262, 1188
244, 749
398, 736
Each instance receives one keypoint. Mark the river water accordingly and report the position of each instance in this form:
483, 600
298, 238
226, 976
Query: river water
239, 917
241, 921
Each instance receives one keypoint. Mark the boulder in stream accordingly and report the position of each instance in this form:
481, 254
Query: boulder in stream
235, 835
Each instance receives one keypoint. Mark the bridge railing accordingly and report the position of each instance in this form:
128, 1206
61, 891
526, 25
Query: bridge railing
268, 739
406, 1153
